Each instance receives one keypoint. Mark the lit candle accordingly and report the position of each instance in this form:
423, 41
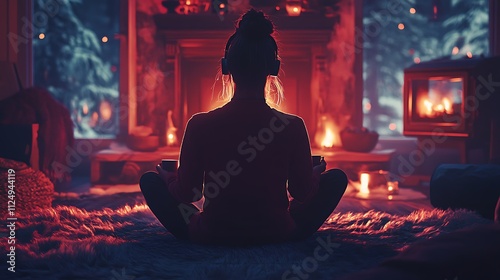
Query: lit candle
294, 7
393, 187
365, 180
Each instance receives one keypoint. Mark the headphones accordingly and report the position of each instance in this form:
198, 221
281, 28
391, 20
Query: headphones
274, 68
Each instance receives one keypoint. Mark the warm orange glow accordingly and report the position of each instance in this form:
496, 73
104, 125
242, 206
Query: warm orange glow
401, 26
413, 10
469, 54
95, 117
41, 36
171, 139
104, 39
327, 134
171, 129
390, 197
328, 139
392, 188
222, 5
85, 109
455, 50
188, 2
427, 108
416, 60
392, 126
447, 105
364, 178
105, 110
293, 8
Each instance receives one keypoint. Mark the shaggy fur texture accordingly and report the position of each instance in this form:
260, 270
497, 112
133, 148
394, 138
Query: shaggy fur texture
80, 239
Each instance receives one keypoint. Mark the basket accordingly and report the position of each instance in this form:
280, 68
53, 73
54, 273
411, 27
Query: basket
33, 190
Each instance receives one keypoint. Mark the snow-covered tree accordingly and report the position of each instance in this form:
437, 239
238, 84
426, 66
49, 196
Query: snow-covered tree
74, 64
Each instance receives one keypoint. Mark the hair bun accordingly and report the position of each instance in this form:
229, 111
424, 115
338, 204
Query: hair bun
255, 24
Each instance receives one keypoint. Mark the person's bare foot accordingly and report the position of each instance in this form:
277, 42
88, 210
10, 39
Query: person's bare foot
497, 212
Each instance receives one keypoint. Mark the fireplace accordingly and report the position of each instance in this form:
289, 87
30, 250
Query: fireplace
193, 45
457, 100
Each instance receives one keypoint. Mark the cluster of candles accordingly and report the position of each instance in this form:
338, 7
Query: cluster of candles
392, 187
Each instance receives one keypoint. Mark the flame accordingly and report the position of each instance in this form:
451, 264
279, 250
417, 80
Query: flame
365, 180
294, 8
327, 133
328, 138
171, 139
447, 105
171, 129
429, 109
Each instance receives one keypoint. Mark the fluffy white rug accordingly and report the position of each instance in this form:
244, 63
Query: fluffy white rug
117, 237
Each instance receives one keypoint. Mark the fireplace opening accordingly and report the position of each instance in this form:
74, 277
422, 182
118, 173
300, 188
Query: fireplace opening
437, 98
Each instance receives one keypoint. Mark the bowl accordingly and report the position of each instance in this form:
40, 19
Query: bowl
359, 141
143, 143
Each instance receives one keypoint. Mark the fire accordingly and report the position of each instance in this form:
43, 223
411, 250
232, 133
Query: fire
328, 138
327, 133
429, 109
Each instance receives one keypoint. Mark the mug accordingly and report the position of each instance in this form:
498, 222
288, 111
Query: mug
316, 160
169, 165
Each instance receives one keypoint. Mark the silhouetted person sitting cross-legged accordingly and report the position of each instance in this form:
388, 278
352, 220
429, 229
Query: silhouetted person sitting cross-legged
240, 157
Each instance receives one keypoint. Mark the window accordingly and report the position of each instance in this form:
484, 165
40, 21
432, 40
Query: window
399, 33
76, 58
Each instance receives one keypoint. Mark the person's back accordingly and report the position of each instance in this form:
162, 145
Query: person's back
243, 157
248, 151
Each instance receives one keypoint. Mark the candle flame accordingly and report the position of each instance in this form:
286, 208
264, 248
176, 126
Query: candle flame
171, 129
365, 180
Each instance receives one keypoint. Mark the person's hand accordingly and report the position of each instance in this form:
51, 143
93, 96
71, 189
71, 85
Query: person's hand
318, 169
166, 176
